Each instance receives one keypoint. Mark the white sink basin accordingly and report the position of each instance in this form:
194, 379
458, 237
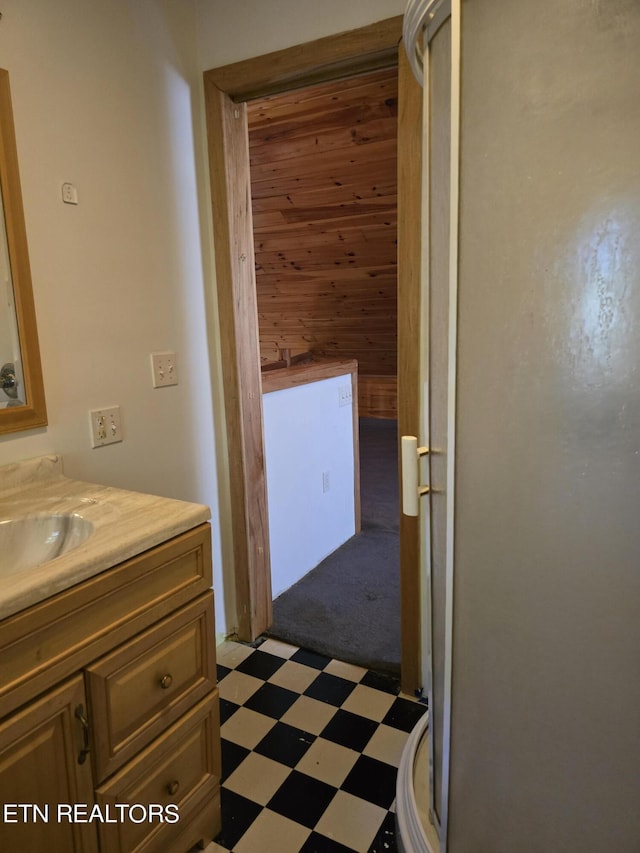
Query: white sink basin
28, 542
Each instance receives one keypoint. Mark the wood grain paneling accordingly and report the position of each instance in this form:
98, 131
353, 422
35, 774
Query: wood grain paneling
324, 198
378, 397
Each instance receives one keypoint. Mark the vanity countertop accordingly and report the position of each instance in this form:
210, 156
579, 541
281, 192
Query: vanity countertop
124, 524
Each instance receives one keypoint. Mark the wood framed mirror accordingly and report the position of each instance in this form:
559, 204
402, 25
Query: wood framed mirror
22, 402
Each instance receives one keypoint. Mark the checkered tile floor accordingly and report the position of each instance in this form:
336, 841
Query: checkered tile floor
310, 751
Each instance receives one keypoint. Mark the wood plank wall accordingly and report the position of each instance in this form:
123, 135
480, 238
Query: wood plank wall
378, 397
324, 195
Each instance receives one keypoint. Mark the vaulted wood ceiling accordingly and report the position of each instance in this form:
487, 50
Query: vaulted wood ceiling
323, 177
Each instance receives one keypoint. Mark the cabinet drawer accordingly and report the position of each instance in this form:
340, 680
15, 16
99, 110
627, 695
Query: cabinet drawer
181, 768
146, 684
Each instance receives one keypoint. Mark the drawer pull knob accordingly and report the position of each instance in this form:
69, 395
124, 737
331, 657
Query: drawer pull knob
166, 681
173, 787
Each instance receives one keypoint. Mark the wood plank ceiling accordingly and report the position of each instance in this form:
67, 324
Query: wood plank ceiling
323, 178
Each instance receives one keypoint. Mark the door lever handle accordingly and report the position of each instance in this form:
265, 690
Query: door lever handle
411, 491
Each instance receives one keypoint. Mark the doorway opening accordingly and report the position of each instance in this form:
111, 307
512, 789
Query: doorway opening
323, 172
226, 91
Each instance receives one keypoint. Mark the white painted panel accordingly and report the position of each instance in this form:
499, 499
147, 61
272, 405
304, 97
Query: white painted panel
307, 433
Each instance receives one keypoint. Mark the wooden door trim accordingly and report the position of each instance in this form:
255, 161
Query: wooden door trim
366, 49
343, 55
409, 287
228, 143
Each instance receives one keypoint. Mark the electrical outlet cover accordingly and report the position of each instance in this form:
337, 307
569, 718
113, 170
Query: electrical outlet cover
69, 194
344, 395
106, 426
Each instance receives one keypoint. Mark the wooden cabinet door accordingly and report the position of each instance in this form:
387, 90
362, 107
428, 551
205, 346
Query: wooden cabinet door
39, 750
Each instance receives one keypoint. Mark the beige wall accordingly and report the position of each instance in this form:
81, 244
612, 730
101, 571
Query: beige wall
107, 95
230, 30
546, 694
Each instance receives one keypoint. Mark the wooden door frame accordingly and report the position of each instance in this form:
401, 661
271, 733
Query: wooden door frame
226, 91
409, 308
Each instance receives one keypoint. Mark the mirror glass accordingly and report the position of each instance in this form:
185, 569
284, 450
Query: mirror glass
22, 404
12, 391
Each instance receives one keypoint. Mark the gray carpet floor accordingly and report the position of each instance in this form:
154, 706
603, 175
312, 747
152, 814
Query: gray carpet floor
348, 607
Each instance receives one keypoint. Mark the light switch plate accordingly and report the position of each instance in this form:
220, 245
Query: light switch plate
164, 369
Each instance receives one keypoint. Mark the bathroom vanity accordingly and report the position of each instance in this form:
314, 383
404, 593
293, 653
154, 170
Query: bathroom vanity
109, 726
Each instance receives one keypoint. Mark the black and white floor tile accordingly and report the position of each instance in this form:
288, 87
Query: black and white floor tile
310, 751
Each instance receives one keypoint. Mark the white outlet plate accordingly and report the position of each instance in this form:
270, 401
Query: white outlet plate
344, 395
69, 194
164, 369
106, 426
326, 482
